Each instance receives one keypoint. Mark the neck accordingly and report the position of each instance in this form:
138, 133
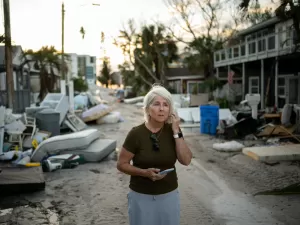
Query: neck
155, 125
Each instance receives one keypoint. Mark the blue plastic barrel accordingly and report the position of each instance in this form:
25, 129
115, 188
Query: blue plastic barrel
209, 119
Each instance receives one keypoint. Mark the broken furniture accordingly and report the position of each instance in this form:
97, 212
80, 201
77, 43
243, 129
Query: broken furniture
74, 123
67, 142
279, 130
49, 120
274, 153
16, 138
97, 150
58, 102
16, 180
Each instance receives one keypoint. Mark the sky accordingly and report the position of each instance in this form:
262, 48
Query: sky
36, 23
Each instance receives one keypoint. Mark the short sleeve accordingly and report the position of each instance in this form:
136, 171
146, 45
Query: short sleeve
130, 143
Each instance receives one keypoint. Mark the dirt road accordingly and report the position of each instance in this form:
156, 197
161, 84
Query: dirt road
96, 193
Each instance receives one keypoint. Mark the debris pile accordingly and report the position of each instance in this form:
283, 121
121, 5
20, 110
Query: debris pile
37, 140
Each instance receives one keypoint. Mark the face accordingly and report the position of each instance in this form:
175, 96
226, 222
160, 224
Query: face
159, 110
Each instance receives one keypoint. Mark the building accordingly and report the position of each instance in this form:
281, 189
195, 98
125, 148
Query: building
265, 60
83, 66
182, 80
21, 76
87, 68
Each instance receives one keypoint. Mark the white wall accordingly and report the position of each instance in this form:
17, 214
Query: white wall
73, 66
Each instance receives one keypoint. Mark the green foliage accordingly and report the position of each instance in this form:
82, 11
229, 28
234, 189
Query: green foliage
47, 60
105, 72
223, 103
257, 15
2, 38
211, 84
80, 85
202, 61
82, 32
148, 53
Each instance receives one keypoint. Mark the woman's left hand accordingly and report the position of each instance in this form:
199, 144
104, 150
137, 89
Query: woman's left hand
175, 123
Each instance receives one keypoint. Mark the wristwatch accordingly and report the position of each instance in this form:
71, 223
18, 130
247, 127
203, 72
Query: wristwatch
178, 135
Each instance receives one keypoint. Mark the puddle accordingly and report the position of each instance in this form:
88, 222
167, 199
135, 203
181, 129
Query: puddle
293, 189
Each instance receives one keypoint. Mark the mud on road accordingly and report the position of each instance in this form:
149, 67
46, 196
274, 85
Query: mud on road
96, 193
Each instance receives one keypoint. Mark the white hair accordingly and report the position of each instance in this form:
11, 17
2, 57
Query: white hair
157, 90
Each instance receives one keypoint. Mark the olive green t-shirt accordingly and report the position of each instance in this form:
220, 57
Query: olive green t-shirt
139, 143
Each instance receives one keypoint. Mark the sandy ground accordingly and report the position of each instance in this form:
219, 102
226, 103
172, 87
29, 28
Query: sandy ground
215, 189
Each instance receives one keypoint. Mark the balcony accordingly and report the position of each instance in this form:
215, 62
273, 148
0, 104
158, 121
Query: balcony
271, 45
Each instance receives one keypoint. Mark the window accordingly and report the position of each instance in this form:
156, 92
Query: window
236, 52
252, 48
223, 56
91, 59
195, 87
217, 55
243, 50
254, 85
271, 43
261, 45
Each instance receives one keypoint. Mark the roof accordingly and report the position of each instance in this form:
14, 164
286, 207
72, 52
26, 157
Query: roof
180, 72
260, 26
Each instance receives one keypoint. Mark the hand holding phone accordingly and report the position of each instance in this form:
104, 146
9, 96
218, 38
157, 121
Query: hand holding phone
166, 171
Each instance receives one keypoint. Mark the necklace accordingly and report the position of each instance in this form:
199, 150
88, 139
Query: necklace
157, 135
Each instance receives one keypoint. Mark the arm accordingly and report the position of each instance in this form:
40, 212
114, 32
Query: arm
124, 165
184, 154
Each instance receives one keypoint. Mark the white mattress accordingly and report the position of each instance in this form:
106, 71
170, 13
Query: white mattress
97, 151
73, 141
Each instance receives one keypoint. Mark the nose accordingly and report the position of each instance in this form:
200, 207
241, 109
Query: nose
161, 108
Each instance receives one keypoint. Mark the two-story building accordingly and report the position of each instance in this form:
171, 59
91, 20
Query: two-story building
264, 60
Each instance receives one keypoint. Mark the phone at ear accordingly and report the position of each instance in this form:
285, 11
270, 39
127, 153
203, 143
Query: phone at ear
166, 171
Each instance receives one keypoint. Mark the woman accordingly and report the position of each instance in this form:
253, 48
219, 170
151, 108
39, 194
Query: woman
154, 146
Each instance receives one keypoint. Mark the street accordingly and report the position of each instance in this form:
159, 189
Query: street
96, 193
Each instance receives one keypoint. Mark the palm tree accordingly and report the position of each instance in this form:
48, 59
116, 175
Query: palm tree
154, 50
48, 63
82, 32
105, 73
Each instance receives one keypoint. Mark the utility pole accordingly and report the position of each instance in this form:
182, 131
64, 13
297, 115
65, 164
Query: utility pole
63, 41
8, 55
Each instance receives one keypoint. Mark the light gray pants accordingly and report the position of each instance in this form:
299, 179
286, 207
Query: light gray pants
154, 209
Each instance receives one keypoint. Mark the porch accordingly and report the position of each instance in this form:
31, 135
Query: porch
274, 41
276, 79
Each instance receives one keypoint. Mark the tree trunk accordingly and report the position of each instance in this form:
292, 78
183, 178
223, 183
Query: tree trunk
146, 68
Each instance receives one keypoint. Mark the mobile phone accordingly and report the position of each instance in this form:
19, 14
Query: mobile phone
166, 171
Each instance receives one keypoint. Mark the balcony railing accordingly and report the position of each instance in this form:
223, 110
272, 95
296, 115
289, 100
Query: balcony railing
259, 48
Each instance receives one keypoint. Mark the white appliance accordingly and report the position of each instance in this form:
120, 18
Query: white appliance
252, 100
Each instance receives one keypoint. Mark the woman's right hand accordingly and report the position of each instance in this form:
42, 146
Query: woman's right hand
153, 174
